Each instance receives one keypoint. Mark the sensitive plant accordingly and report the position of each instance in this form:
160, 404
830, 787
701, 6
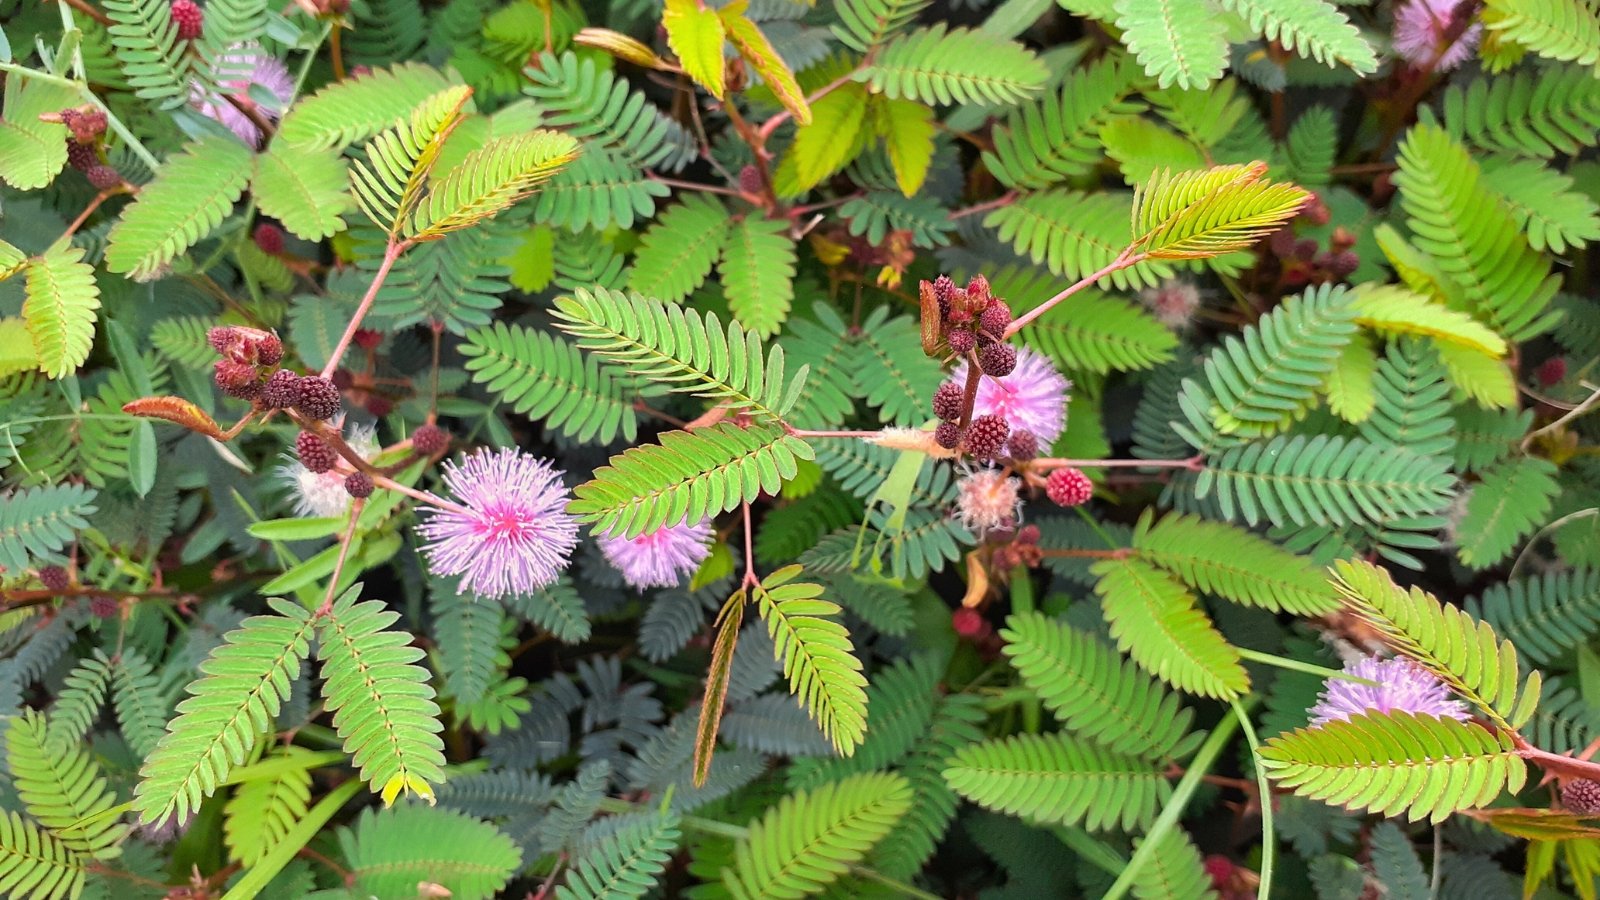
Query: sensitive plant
769, 450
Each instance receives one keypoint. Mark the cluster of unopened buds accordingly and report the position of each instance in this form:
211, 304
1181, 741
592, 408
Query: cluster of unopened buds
249, 370
86, 125
1303, 261
58, 580
971, 323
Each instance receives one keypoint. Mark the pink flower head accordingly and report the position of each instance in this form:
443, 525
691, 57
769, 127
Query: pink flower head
659, 558
244, 66
1403, 685
1425, 29
1032, 398
987, 500
513, 535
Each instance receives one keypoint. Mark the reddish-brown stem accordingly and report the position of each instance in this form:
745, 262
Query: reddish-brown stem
807, 433
649, 410
336, 48
89, 11
1566, 766
1193, 463
969, 396
87, 212
385, 481
1124, 259
344, 552
694, 186
1087, 554
750, 579
390, 254
985, 206
771, 125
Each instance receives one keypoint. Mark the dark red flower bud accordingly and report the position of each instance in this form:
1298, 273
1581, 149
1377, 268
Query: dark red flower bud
237, 379
986, 436
269, 238
314, 452
947, 401
55, 578
948, 435
962, 340
430, 439
358, 485
1069, 487
188, 17
997, 360
281, 391
367, 339
319, 398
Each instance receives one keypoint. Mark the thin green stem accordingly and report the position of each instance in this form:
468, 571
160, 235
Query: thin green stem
1199, 767
1269, 837
1296, 665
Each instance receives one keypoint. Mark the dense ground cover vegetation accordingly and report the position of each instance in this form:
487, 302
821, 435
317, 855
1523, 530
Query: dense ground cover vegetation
987, 448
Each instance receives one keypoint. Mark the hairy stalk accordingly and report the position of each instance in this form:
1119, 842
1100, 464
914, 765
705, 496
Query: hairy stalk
344, 552
1194, 463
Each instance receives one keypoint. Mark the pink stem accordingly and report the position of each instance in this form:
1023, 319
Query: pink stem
1193, 463
390, 254
1123, 260
423, 496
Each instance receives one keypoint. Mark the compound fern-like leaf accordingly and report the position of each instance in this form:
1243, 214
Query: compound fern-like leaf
1059, 779
381, 702
626, 863
810, 839
489, 180
263, 810
188, 198
816, 654
681, 350
757, 268
359, 107
34, 865
1466, 654
1092, 690
35, 523
1161, 625
677, 252
1234, 564
1208, 212
1178, 43
60, 785
1397, 763
545, 378
59, 309
1311, 28
242, 686
305, 188
934, 65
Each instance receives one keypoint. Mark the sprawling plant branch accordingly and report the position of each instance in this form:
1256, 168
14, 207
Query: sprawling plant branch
391, 253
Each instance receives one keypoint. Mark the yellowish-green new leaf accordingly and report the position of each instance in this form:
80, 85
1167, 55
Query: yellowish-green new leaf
348, 111
389, 183
61, 787
1352, 394
760, 54
1397, 763
1488, 381
12, 260
809, 840
188, 198
306, 189
33, 152
1465, 653
695, 32
59, 309
1194, 215
1415, 268
489, 180
834, 137
817, 656
30, 856
907, 128
1392, 309
16, 347
242, 686
1161, 625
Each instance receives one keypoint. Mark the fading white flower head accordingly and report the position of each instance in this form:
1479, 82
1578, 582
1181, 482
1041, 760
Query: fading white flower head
986, 500
323, 494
